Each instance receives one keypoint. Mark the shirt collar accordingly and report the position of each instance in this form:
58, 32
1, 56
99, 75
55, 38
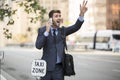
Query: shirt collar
53, 28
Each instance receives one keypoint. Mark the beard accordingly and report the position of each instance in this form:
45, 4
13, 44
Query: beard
56, 24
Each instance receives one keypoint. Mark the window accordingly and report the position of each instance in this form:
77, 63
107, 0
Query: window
102, 39
86, 39
116, 36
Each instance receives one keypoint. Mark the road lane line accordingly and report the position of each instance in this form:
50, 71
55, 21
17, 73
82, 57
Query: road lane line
116, 70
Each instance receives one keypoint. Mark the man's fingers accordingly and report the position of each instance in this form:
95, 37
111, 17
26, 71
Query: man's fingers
84, 3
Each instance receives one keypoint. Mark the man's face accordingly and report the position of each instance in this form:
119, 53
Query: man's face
56, 19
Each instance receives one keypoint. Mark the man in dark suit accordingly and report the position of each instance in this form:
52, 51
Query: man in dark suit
50, 39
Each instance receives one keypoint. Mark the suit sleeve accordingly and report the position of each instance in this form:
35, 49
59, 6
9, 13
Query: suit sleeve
41, 39
71, 29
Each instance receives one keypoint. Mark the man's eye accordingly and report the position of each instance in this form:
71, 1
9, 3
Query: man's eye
56, 16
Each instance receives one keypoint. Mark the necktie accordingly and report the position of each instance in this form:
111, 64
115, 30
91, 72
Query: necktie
54, 34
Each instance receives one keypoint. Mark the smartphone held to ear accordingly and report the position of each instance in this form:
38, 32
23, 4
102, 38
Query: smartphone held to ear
50, 20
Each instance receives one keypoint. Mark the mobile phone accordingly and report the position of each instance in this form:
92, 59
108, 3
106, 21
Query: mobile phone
50, 20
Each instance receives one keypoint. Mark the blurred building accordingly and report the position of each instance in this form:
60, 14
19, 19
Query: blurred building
113, 12
98, 17
100, 13
62, 5
22, 30
95, 18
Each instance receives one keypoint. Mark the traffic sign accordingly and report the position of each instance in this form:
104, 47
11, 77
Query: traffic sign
38, 68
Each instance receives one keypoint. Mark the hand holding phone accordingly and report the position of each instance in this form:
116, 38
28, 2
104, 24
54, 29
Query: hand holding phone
50, 20
48, 24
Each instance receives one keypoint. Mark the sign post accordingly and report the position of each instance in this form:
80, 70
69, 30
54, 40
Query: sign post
1, 58
1, 55
38, 68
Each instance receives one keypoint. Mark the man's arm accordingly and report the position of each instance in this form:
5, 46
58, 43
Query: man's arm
41, 39
79, 22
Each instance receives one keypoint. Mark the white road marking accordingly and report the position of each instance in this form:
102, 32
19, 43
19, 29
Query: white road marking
2, 77
116, 70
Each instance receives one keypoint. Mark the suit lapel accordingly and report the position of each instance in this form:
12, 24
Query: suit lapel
58, 35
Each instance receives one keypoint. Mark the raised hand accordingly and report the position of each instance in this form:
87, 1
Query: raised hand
83, 8
48, 25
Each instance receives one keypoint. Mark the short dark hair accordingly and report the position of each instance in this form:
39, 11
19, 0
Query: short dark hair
52, 12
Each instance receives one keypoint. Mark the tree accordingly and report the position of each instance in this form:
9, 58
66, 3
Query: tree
30, 6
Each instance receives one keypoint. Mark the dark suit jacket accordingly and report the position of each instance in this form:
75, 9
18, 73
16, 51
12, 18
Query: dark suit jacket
49, 46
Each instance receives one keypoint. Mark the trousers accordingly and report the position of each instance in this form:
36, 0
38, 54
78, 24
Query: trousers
57, 74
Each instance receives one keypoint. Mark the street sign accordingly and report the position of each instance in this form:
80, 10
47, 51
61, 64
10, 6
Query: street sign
38, 68
1, 55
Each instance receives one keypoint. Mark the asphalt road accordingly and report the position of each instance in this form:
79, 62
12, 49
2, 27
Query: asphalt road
89, 65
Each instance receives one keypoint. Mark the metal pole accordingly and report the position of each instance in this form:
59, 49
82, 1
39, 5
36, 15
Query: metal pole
94, 40
1, 58
1, 55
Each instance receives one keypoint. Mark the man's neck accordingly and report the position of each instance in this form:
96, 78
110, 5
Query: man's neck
55, 26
